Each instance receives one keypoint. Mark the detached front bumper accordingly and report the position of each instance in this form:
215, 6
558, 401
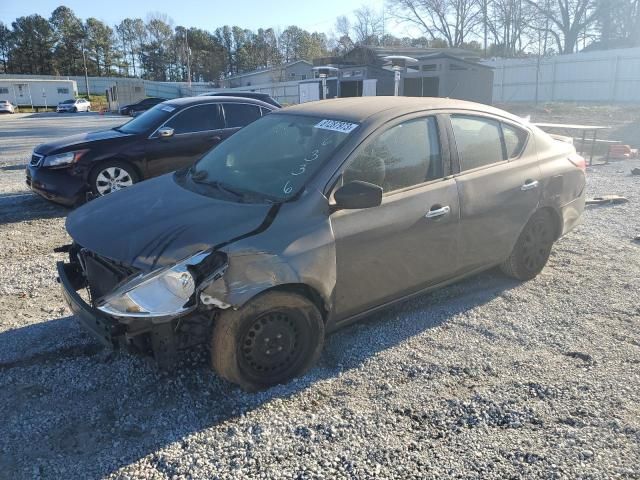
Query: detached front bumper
105, 329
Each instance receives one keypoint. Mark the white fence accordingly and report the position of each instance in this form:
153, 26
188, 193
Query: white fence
611, 76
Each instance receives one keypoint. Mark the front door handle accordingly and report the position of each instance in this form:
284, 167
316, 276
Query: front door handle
216, 138
438, 212
529, 185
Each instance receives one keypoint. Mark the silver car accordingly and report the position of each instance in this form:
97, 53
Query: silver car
7, 107
74, 105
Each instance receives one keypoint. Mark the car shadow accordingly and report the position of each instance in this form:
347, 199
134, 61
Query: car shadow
103, 410
25, 206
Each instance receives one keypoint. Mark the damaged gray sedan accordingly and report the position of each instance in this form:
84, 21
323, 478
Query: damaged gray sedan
313, 217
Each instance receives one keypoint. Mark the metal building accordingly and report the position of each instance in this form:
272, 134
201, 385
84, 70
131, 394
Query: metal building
31, 93
451, 73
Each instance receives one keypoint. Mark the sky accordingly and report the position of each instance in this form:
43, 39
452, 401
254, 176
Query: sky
311, 15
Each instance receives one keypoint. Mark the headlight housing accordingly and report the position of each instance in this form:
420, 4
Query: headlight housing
63, 159
159, 294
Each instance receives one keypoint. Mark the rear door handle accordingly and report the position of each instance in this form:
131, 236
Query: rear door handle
438, 212
529, 185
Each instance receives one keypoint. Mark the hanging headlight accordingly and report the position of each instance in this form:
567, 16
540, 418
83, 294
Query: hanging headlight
159, 294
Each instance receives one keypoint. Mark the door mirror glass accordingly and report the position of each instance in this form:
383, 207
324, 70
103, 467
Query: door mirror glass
358, 194
165, 132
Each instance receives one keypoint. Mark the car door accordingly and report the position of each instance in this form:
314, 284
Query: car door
498, 186
410, 240
196, 130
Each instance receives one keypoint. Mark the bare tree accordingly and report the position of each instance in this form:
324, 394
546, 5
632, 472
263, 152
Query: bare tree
368, 26
509, 23
453, 20
568, 19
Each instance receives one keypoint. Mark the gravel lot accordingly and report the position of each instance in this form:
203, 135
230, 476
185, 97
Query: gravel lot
487, 378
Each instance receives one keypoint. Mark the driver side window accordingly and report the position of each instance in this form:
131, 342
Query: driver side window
405, 155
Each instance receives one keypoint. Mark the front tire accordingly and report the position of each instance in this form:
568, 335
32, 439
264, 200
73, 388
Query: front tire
272, 339
111, 176
74, 110
532, 250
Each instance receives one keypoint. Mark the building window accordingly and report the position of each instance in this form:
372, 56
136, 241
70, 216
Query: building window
454, 66
63, 91
137, 89
431, 67
4, 90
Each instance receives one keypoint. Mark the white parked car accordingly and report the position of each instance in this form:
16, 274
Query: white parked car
77, 105
7, 107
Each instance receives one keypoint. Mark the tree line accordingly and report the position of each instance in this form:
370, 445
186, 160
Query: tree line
511, 28
155, 49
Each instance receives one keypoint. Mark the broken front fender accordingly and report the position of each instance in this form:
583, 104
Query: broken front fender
298, 249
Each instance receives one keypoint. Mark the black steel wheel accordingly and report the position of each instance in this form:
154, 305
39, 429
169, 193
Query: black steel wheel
272, 339
532, 250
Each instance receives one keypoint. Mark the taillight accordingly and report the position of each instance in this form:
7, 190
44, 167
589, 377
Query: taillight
578, 161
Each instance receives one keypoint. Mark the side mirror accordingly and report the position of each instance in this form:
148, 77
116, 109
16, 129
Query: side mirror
357, 194
165, 132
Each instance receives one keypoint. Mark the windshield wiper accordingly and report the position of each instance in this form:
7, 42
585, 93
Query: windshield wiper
200, 176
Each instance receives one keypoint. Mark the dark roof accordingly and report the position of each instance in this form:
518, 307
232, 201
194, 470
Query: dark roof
360, 109
267, 69
184, 101
438, 55
418, 51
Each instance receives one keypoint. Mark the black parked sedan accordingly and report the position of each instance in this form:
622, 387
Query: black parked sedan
313, 217
167, 137
141, 106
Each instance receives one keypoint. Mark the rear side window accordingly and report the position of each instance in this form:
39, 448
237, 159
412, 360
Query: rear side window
478, 141
405, 155
240, 114
514, 140
200, 118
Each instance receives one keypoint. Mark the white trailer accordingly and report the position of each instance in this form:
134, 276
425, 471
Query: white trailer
37, 93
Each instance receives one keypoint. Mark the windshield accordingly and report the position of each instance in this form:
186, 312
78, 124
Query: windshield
148, 120
68, 101
274, 156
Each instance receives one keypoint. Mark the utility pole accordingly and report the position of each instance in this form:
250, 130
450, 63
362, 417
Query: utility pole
484, 13
186, 39
86, 74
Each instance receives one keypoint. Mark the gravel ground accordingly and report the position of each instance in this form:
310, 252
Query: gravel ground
487, 378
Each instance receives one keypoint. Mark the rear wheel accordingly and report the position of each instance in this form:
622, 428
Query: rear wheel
532, 250
270, 340
109, 177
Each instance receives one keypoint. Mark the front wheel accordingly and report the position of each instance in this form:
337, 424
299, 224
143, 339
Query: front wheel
272, 339
112, 176
532, 250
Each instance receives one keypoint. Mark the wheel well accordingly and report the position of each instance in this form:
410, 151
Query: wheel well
306, 291
556, 219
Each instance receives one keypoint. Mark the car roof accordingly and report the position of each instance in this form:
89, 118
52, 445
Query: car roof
361, 109
187, 101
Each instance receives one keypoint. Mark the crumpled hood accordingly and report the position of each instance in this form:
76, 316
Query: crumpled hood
158, 223
80, 140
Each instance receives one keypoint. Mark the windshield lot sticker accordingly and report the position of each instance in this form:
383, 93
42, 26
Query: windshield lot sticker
168, 108
336, 126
